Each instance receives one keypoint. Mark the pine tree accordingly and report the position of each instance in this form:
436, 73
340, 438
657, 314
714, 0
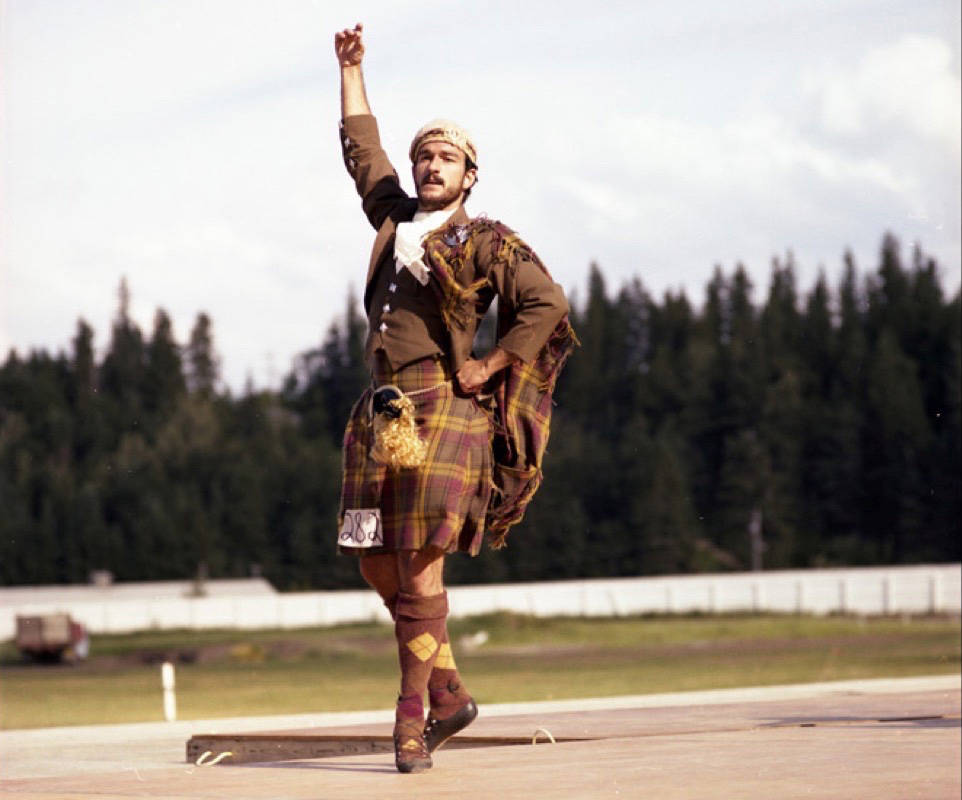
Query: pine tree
578, 380
345, 373
944, 497
122, 371
780, 321
896, 436
164, 384
889, 294
666, 520
203, 364
84, 367
16, 495
728, 397
742, 499
781, 426
327, 381
931, 342
819, 440
668, 378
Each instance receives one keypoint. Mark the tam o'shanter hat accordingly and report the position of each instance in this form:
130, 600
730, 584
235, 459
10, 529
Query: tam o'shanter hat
443, 130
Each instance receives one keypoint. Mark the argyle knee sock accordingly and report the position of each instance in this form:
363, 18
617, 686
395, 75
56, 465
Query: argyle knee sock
445, 688
447, 692
391, 605
419, 628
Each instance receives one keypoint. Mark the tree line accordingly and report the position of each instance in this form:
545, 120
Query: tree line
805, 429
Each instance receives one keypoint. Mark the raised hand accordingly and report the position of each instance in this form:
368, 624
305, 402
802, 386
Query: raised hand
348, 46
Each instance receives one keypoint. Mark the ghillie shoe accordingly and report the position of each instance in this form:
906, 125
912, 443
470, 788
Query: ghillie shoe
438, 731
410, 752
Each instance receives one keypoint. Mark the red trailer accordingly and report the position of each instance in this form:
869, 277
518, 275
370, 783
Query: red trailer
52, 637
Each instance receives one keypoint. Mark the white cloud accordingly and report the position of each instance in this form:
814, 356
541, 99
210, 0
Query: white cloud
909, 83
689, 180
665, 196
753, 154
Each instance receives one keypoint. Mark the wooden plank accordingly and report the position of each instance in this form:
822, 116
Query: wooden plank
245, 748
248, 748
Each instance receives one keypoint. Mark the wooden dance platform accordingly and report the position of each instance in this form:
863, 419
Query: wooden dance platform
525, 730
878, 739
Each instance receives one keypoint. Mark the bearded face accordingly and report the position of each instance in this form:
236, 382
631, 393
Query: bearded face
441, 176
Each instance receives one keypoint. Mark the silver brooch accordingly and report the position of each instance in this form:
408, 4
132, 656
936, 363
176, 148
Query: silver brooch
457, 236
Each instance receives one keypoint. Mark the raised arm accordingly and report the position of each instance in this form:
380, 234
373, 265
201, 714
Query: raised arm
368, 165
349, 49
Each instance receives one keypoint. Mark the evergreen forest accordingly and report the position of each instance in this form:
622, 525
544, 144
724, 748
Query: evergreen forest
758, 428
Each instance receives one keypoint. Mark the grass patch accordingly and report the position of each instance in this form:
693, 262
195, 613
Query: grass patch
240, 673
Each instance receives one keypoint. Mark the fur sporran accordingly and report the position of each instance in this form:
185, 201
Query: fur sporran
396, 441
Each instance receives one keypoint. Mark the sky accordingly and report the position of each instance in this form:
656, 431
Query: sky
190, 146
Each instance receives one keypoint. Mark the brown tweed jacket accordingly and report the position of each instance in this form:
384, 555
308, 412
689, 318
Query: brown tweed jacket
530, 304
471, 261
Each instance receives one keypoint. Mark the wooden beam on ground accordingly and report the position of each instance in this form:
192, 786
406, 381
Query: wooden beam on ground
245, 748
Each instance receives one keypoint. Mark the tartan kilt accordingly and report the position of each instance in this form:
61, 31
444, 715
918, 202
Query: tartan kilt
441, 504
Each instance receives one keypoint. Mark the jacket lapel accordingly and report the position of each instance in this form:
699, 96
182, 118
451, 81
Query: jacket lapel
459, 217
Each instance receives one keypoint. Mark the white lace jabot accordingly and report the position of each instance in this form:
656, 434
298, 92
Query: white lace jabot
407, 242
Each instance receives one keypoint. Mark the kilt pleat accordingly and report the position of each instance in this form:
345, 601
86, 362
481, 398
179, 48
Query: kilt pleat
441, 504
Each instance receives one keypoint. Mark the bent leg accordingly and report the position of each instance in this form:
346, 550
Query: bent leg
421, 572
417, 573
380, 570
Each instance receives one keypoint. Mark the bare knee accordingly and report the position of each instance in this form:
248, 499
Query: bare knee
380, 571
421, 572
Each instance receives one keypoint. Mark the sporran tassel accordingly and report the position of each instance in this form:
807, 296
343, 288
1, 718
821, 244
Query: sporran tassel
396, 441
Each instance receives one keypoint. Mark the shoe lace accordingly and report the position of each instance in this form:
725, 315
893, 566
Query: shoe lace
409, 738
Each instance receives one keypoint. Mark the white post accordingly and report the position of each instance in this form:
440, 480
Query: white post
935, 593
167, 681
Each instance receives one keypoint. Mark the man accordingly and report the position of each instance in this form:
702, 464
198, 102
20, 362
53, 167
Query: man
431, 460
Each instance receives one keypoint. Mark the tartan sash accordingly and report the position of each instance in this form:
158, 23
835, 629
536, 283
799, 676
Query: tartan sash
522, 393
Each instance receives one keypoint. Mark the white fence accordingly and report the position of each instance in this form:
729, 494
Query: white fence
868, 591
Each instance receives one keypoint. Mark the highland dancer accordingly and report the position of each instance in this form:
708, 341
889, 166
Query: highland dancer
443, 445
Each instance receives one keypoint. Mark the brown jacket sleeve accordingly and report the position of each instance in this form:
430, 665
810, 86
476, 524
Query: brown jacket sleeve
376, 181
530, 304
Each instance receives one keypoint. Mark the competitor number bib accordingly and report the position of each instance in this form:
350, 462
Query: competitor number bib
361, 528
